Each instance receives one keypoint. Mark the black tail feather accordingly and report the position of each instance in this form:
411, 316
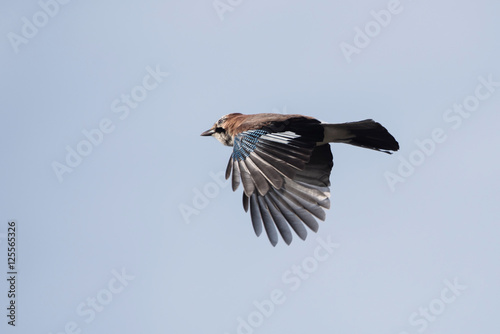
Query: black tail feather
366, 133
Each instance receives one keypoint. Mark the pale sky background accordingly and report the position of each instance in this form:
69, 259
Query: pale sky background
398, 250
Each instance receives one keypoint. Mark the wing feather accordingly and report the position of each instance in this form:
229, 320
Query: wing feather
268, 221
269, 171
279, 220
235, 182
302, 213
293, 220
229, 167
255, 214
246, 178
257, 176
285, 179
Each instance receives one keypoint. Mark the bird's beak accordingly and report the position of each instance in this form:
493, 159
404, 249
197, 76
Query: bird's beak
209, 132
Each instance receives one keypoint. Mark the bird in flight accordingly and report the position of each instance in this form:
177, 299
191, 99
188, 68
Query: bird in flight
284, 163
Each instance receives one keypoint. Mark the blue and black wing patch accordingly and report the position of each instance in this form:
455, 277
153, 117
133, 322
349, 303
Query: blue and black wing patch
285, 179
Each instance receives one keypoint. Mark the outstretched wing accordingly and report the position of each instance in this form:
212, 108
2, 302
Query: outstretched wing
285, 177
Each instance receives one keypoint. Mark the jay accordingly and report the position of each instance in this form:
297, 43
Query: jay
284, 163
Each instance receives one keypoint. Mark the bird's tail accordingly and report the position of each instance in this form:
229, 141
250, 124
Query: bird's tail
367, 133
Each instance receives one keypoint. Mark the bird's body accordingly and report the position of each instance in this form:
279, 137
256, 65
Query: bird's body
284, 163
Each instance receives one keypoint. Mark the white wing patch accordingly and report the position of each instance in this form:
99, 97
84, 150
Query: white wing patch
281, 137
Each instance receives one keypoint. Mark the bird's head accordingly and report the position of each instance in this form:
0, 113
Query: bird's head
221, 130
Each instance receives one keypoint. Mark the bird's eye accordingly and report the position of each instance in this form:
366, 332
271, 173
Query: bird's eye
220, 121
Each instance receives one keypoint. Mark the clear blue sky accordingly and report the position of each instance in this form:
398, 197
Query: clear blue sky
102, 107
